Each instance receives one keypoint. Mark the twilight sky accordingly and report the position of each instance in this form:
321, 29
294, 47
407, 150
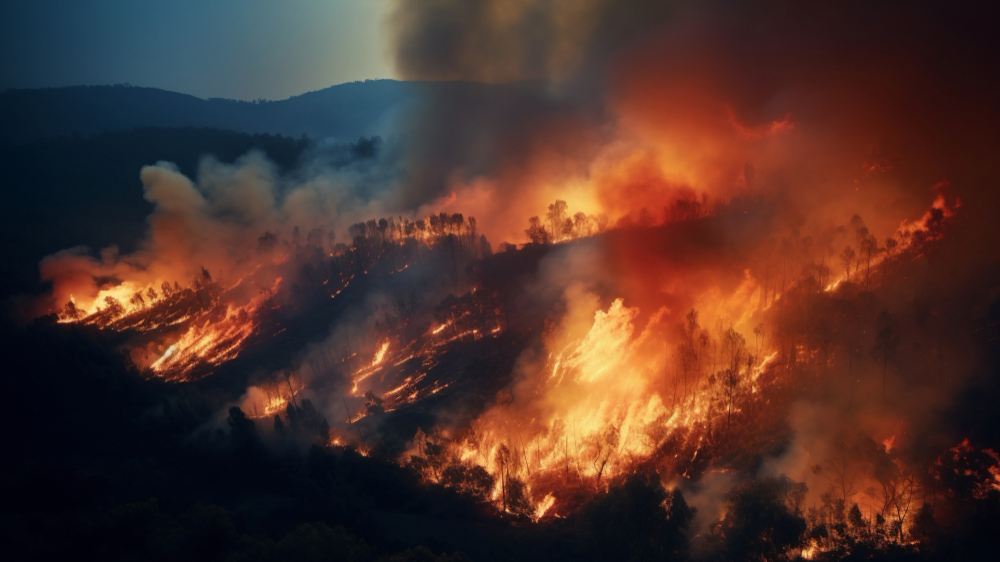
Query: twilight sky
242, 49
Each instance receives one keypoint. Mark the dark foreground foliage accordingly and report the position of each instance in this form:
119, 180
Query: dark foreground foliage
105, 465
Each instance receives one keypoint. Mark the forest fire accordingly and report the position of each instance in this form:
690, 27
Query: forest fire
402, 372
622, 397
677, 379
194, 328
691, 281
623, 390
189, 326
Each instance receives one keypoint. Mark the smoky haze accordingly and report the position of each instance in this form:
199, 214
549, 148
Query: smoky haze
637, 103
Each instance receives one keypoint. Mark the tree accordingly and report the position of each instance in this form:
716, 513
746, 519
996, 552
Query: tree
635, 520
683, 209
869, 247
886, 342
847, 256
473, 237
323, 432
896, 487
758, 333
518, 499
844, 473
71, 311
279, 427
113, 307
968, 472
601, 447
691, 337
924, 526
556, 217
891, 244
242, 430
472, 480
315, 542
502, 460
582, 225
761, 523
536, 231
735, 352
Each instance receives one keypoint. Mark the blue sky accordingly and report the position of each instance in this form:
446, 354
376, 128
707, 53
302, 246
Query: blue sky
242, 49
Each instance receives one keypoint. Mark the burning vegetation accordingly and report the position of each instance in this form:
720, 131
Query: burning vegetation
593, 388
711, 348
730, 296
182, 332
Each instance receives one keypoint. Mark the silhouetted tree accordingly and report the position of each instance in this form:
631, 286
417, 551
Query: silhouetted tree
279, 427
556, 217
886, 342
242, 430
472, 480
536, 231
518, 499
635, 520
847, 256
759, 523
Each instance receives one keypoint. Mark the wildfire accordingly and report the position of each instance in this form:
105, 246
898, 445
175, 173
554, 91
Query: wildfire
372, 368
270, 399
206, 324
543, 506
616, 397
604, 404
211, 344
380, 354
619, 391
908, 235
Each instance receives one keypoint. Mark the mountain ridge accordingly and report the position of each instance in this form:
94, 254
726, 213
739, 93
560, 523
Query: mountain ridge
343, 112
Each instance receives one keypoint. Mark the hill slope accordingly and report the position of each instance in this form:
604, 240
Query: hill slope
345, 111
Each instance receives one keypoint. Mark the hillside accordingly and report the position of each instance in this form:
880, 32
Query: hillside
344, 112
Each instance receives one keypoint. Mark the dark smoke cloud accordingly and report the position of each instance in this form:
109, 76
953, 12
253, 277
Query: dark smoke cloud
647, 101
504, 41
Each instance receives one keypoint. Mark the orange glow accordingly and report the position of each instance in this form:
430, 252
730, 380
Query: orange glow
543, 506
380, 354
604, 405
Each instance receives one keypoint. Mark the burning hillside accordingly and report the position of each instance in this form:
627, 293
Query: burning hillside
710, 280
616, 390
534, 379
681, 379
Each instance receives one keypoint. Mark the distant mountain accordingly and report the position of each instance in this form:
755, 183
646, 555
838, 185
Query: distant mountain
344, 112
